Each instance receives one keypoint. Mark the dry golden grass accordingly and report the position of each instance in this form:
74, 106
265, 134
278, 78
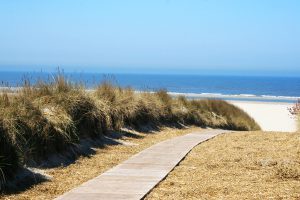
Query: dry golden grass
247, 165
66, 178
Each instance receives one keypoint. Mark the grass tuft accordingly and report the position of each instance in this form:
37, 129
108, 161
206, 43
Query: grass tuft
288, 170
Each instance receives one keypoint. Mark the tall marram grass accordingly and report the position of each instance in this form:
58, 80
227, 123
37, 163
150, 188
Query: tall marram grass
48, 117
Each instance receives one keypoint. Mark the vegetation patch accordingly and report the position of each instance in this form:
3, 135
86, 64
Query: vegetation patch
241, 165
289, 169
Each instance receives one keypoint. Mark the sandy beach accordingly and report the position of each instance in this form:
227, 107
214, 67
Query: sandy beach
269, 115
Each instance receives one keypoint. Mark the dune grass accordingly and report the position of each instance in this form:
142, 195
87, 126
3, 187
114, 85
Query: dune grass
47, 118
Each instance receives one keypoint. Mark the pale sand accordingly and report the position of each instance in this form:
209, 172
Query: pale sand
269, 115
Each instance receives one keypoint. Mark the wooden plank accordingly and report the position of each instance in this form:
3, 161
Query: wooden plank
138, 175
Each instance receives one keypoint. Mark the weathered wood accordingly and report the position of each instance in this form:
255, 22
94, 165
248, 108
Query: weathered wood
138, 175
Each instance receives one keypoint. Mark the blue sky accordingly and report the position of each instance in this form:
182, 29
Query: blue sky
157, 36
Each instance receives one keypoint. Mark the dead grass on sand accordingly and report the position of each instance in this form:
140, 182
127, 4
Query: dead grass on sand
85, 168
249, 165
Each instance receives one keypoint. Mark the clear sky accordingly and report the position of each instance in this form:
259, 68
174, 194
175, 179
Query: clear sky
158, 36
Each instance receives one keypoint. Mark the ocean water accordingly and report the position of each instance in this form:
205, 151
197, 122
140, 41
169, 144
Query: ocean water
248, 88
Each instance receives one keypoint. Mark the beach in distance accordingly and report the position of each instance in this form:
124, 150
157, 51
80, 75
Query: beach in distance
272, 113
271, 116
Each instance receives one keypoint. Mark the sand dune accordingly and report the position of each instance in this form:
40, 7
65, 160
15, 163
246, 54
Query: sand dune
269, 115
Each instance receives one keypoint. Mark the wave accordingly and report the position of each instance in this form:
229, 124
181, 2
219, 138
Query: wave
236, 96
281, 97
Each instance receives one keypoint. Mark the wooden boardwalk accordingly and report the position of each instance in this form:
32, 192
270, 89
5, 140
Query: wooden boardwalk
137, 176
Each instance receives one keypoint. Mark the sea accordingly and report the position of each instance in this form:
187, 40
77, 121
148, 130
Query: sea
241, 88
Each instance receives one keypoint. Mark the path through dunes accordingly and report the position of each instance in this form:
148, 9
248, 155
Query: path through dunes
135, 177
